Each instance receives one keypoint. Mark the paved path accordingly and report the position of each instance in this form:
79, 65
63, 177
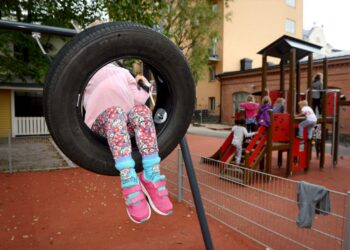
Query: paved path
30, 153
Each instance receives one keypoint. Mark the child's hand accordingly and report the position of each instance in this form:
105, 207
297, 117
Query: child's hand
143, 83
143, 79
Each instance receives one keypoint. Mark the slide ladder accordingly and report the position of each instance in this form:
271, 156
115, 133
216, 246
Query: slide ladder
256, 148
253, 155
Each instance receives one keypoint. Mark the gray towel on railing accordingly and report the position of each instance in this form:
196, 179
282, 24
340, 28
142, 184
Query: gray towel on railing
311, 198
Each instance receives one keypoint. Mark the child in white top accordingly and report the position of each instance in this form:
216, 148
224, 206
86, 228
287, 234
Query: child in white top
309, 122
239, 132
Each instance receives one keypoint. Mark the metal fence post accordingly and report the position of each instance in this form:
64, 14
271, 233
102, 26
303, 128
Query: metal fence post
196, 195
347, 226
179, 176
10, 151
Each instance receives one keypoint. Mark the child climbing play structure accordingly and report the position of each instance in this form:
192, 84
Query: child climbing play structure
280, 136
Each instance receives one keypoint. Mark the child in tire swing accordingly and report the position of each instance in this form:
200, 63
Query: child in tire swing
115, 104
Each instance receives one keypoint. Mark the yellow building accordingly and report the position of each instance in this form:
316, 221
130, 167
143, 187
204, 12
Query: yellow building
21, 111
5, 113
251, 24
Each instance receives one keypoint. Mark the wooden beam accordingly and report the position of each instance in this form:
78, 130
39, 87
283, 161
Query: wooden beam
264, 74
297, 86
291, 108
309, 101
282, 79
324, 108
336, 130
269, 144
309, 78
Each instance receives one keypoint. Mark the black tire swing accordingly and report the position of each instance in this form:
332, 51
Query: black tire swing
83, 56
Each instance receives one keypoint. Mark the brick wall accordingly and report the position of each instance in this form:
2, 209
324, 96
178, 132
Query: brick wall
250, 81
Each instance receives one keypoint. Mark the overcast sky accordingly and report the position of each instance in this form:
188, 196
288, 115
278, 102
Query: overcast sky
334, 15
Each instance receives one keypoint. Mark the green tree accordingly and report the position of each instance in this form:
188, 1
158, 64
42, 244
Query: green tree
191, 24
20, 55
141, 11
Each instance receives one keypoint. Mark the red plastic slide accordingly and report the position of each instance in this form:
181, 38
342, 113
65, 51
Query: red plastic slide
225, 151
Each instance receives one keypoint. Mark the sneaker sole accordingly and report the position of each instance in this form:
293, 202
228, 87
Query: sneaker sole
142, 221
151, 202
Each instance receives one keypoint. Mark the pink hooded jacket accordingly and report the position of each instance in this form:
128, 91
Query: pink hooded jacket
111, 86
251, 109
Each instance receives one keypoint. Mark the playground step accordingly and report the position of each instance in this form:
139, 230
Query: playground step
232, 173
234, 170
232, 179
242, 159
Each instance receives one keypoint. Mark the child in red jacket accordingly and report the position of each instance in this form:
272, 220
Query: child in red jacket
251, 110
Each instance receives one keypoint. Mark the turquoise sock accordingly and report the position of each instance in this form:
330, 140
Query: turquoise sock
151, 168
126, 167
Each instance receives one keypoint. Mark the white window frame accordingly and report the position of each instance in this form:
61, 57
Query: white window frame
237, 98
212, 104
212, 73
215, 8
291, 3
214, 42
290, 26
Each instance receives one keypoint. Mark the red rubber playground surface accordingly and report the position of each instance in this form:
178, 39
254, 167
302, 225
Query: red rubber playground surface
77, 209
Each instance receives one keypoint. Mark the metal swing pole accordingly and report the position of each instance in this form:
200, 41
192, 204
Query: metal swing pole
196, 194
37, 36
36, 31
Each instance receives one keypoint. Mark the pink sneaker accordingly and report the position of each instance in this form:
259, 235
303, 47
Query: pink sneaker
136, 205
157, 195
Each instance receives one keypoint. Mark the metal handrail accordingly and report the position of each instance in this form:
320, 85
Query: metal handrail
44, 29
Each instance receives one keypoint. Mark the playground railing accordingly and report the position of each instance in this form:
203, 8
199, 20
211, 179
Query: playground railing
264, 210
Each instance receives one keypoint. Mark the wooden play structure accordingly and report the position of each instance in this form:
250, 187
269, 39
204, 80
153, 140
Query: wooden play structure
280, 136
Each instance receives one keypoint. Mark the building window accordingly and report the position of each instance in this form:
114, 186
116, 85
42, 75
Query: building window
237, 98
290, 26
291, 3
214, 8
212, 104
212, 73
213, 50
214, 45
28, 104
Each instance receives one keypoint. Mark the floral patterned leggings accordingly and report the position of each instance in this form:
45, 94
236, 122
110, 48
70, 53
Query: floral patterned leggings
115, 125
